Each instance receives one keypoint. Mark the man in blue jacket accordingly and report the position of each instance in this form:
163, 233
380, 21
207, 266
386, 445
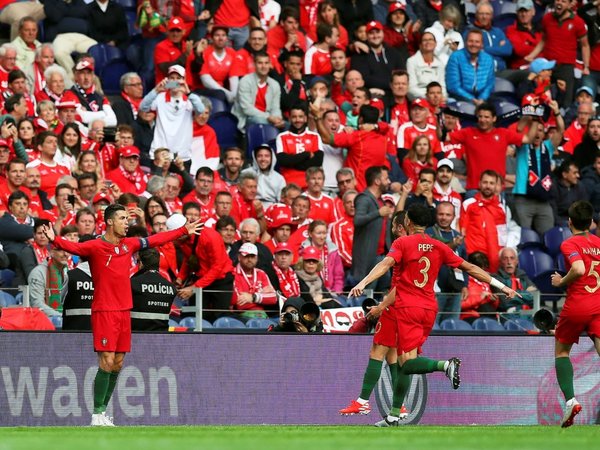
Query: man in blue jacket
470, 71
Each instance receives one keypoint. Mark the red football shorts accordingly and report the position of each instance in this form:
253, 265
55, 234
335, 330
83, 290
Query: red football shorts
570, 327
111, 331
414, 326
385, 330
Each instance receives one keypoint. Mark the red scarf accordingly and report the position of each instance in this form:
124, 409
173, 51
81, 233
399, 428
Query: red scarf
136, 177
288, 281
41, 253
39, 82
135, 104
52, 96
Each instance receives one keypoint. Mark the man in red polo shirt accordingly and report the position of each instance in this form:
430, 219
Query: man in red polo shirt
365, 148
237, 16
419, 125
398, 110
563, 33
173, 50
128, 176
485, 145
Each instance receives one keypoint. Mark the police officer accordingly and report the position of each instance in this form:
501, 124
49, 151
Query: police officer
77, 295
152, 294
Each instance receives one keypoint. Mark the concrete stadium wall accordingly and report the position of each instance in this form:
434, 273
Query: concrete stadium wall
179, 379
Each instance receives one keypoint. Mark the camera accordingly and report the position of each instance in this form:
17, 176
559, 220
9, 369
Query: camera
545, 320
310, 316
290, 317
172, 84
71, 199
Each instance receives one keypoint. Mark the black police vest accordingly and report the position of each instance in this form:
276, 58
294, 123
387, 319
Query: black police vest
77, 307
152, 298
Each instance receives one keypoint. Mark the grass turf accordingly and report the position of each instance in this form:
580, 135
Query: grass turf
300, 437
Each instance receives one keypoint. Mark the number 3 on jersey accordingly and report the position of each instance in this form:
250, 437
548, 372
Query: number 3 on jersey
595, 274
427, 265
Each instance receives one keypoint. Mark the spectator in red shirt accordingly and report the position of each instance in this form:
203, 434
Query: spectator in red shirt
49, 169
173, 50
237, 16
524, 35
574, 134
317, 60
327, 13
8, 62
419, 125
243, 63
286, 35
398, 109
203, 193
129, 176
15, 180
341, 232
321, 205
564, 33
216, 73
399, 32
279, 225
246, 205
252, 290
419, 157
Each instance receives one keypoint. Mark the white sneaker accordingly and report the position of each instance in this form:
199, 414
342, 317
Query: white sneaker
572, 408
98, 420
108, 421
386, 422
452, 372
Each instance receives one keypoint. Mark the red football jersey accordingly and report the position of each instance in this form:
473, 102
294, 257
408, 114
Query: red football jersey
50, 174
317, 62
218, 68
294, 144
418, 259
583, 295
409, 132
321, 208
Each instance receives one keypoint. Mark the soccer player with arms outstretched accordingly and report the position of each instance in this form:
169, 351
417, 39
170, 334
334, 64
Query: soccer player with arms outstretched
418, 258
110, 261
581, 311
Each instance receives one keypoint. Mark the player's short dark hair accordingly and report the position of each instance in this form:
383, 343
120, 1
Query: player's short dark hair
87, 176
37, 223
581, 214
369, 114
150, 258
420, 215
373, 173
427, 171
261, 54
205, 171
111, 210
17, 195
84, 212
398, 218
485, 106
68, 229
15, 74
289, 11
324, 30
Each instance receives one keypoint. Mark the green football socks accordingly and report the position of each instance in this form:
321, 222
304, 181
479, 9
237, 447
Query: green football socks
101, 383
370, 378
564, 375
422, 365
112, 382
401, 387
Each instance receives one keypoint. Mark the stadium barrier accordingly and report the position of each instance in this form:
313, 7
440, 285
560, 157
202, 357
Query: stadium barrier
46, 380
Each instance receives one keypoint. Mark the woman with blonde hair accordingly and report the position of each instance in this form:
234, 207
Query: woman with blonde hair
419, 157
445, 30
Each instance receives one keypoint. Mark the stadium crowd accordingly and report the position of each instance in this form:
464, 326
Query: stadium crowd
343, 112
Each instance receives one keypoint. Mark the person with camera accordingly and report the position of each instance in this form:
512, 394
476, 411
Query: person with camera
64, 213
174, 107
299, 316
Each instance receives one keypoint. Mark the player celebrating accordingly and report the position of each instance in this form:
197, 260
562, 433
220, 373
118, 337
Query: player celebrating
582, 306
110, 260
384, 344
418, 258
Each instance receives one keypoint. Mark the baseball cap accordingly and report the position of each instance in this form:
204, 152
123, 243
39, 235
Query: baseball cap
374, 25
419, 102
176, 221
388, 198
129, 150
311, 253
278, 215
85, 64
377, 103
585, 89
524, 4
175, 23
283, 247
446, 162
179, 70
248, 249
4, 143
398, 6
539, 64
101, 197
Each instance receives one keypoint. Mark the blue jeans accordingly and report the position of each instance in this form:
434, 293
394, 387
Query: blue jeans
238, 36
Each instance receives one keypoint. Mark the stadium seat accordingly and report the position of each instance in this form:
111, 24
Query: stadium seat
173, 323
218, 105
535, 261
507, 111
548, 292
436, 326
466, 110
560, 263
529, 238
258, 134
258, 323
225, 126
456, 324
6, 277
503, 86
554, 237
188, 322
103, 55
57, 321
487, 324
132, 27
505, 13
518, 324
19, 298
111, 76
206, 324
228, 322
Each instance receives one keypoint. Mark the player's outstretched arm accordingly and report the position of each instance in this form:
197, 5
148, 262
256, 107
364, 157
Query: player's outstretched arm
481, 275
72, 247
49, 232
388, 301
576, 271
377, 272
194, 227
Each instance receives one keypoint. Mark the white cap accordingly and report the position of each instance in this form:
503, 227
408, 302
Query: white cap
248, 249
176, 221
445, 162
179, 70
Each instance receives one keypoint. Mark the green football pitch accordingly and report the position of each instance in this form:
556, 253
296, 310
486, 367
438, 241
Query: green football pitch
301, 438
